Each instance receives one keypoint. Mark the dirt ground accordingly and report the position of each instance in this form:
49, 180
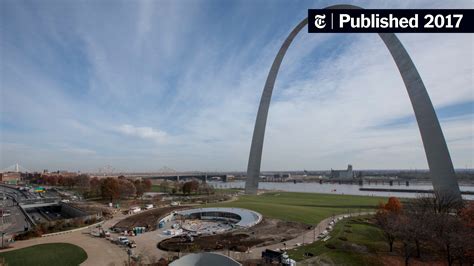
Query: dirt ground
267, 232
147, 219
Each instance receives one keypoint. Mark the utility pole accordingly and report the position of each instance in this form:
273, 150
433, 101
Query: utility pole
3, 212
129, 252
314, 234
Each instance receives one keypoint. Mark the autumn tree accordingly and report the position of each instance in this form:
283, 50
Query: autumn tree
94, 188
147, 183
83, 182
190, 186
110, 188
126, 188
139, 187
393, 205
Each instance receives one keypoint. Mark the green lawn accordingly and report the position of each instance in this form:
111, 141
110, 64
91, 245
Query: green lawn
309, 208
363, 241
158, 188
46, 255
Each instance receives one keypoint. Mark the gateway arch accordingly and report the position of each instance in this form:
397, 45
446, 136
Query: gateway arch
439, 161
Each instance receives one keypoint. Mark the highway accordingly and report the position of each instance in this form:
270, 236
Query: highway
13, 220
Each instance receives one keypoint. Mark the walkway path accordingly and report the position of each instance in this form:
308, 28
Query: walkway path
99, 251
307, 238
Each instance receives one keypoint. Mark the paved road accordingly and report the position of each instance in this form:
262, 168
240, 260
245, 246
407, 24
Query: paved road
16, 221
99, 251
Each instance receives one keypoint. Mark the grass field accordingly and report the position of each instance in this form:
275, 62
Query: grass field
363, 241
309, 208
157, 188
46, 255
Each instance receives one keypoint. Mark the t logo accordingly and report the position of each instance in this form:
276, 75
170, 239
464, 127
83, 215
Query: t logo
319, 21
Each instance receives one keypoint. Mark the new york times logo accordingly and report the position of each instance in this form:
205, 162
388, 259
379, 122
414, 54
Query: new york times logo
319, 21
391, 20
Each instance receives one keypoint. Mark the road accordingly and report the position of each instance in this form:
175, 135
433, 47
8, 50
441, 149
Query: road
99, 251
16, 220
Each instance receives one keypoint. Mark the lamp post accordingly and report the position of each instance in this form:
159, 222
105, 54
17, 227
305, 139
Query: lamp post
129, 252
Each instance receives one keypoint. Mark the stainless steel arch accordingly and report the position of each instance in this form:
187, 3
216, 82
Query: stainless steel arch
439, 161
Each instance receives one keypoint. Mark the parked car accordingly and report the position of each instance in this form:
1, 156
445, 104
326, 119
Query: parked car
123, 240
149, 206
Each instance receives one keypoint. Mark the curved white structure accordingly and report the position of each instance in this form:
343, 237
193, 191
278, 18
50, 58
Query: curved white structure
437, 154
205, 259
238, 216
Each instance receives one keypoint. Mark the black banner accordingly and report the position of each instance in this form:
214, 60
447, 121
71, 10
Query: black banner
391, 20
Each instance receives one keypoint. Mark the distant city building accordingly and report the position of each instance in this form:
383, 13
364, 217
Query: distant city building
60, 173
10, 177
342, 174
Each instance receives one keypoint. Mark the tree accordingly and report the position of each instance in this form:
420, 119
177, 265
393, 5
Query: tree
419, 219
406, 232
190, 186
165, 186
205, 188
388, 223
126, 188
94, 188
147, 183
110, 188
83, 182
140, 187
448, 232
467, 218
393, 205
387, 218
438, 221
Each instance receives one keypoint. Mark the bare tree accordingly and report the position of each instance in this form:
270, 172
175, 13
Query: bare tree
388, 223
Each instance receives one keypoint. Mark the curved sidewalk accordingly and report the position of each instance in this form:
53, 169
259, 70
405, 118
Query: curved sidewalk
99, 252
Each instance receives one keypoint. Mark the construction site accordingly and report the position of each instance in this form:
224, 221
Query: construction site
211, 229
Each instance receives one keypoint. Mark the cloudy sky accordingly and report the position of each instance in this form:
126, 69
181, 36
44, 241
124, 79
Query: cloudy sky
139, 85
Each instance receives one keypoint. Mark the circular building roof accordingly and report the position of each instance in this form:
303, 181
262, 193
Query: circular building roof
248, 218
205, 259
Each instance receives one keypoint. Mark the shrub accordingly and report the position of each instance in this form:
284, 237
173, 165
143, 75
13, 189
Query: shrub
27, 235
330, 246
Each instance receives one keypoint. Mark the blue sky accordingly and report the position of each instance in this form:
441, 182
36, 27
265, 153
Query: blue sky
139, 85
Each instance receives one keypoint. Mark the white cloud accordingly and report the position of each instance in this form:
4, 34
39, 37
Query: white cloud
147, 133
160, 64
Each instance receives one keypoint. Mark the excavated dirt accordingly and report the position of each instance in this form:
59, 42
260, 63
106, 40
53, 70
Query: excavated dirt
147, 219
267, 232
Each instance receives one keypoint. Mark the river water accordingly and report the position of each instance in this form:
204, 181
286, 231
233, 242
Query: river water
341, 189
